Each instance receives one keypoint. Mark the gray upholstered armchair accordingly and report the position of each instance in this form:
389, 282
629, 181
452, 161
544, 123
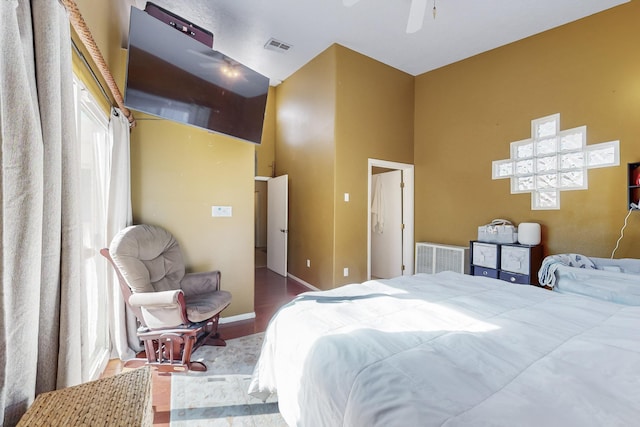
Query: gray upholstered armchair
177, 311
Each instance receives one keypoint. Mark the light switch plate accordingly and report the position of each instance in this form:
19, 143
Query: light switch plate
221, 211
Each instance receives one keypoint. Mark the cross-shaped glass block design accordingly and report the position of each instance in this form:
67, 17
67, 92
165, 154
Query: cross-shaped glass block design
552, 161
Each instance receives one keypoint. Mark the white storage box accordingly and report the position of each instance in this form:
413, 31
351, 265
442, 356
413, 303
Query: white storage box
498, 231
485, 255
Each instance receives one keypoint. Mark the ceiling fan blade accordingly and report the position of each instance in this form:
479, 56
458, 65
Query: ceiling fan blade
349, 3
416, 15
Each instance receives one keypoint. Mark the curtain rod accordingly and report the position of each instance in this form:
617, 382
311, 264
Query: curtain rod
93, 74
87, 40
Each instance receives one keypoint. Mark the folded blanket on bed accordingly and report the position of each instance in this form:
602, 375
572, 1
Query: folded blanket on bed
546, 274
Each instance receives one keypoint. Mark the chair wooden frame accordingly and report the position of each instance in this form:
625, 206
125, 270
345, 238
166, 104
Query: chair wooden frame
169, 349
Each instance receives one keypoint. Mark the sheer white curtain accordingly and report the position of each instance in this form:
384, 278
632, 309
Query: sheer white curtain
122, 323
41, 238
93, 134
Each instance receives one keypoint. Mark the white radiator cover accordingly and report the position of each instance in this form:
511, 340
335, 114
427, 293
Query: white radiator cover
434, 257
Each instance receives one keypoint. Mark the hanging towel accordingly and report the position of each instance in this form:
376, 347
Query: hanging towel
377, 206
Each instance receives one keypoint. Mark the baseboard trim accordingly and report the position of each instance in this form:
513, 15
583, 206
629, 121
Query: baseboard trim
302, 282
252, 315
237, 318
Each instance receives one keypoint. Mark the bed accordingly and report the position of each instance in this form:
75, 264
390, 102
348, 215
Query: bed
451, 350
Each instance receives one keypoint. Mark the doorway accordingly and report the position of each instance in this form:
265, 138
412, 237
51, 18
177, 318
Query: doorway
390, 218
260, 203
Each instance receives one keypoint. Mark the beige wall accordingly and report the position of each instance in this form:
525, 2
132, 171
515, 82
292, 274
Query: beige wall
305, 149
265, 151
333, 114
374, 119
178, 173
103, 19
468, 113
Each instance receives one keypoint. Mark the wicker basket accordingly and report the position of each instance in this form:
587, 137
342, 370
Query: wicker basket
119, 400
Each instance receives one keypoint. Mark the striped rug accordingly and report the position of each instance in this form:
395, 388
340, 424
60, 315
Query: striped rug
219, 396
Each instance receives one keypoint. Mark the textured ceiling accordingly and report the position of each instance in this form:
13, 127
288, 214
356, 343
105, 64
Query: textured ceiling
375, 28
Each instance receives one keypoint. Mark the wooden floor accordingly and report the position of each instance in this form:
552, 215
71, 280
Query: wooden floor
271, 292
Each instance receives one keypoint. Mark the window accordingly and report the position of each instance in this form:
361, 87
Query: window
93, 134
552, 161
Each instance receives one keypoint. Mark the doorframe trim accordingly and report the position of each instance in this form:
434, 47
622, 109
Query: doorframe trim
407, 211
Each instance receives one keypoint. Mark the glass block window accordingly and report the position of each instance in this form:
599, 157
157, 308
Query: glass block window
603, 155
547, 164
503, 169
552, 161
546, 146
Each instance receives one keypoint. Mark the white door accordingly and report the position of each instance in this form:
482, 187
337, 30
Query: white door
277, 224
386, 225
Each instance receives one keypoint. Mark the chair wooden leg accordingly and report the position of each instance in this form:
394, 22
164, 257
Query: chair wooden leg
186, 345
171, 350
197, 366
215, 340
213, 337
168, 351
170, 347
188, 348
150, 349
135, 363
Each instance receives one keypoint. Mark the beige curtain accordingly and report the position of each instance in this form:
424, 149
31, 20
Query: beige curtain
41, 239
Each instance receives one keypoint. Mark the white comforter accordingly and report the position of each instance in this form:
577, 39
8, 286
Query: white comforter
451, 349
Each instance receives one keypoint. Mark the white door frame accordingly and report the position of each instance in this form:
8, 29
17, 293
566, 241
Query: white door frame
386, 243
407, 212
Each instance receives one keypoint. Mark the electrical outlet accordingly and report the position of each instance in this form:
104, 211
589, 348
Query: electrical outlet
308, 263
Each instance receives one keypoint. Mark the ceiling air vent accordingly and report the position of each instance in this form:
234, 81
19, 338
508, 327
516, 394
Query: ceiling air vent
277, 45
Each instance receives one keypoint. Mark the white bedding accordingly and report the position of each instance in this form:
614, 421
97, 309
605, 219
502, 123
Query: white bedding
451, 349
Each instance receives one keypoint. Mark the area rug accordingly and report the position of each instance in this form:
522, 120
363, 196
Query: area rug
219, 396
